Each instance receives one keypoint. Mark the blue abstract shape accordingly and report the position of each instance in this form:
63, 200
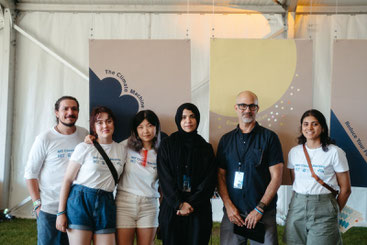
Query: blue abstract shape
343, 223
106, 92
357, 164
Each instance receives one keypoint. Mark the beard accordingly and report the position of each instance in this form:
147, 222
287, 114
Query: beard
68, 124
248, 119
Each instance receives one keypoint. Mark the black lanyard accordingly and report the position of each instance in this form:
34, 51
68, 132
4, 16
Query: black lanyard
245, 145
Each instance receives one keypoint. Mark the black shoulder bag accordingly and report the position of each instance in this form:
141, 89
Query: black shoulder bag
107, 160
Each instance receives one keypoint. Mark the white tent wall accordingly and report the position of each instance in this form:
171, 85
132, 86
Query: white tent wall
41, 79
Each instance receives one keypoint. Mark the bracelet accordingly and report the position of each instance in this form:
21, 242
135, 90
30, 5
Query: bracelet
261, 205
180, 206
35, 209
60, 213
37, 203
259, 211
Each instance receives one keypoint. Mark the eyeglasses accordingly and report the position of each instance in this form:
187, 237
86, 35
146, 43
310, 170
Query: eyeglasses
244, 107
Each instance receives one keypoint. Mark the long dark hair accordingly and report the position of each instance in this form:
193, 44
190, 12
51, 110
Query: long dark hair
324, 136
94, 114
134, 142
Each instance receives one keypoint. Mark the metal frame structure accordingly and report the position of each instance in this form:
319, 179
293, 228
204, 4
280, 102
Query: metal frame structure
7, 103
8, 8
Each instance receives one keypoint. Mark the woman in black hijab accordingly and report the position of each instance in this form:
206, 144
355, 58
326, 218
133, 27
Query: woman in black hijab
187, 177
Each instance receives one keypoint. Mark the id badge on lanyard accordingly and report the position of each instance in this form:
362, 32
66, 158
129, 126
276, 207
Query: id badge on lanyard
238, 178
186, 183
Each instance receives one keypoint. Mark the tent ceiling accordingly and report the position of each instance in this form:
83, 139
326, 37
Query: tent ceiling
156, 2
196, 6
204, 2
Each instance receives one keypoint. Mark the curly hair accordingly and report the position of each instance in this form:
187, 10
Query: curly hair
134, 142
324, 136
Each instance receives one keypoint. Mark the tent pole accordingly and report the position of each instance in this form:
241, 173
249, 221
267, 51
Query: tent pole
51, 52
7, 105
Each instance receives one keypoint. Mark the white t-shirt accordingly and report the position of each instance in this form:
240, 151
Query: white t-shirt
138, 179
47, 162
94, 172
324, 164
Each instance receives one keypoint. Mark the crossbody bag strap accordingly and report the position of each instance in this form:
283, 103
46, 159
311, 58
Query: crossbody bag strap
107, 160
317, 178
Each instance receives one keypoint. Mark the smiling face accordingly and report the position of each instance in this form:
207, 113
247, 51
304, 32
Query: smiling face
68, 112
249, 100
188, 121
104, 126
311, 128
146, 131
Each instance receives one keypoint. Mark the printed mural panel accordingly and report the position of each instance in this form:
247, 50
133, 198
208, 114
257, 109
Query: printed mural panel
132, 75
348, 105
278, 71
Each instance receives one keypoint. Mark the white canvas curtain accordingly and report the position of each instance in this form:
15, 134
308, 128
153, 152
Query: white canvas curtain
40, 79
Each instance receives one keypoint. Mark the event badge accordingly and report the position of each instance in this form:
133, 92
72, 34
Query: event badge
186, 183
238, 180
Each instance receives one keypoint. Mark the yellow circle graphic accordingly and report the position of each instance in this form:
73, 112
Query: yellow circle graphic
266, 67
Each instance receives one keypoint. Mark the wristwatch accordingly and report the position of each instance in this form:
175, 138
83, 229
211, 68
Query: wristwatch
261, 205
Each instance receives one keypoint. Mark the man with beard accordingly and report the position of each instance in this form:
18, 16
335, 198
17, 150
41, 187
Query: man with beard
250, 171
46, 165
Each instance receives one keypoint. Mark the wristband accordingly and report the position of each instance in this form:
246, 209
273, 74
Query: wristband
259, 211
37, 203
60, 213
35, 209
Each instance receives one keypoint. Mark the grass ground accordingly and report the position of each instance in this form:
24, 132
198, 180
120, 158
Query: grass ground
23, 231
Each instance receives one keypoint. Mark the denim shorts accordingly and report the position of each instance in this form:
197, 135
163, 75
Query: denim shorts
91, 209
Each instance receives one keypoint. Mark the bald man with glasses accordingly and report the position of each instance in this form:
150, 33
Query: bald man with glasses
250, 172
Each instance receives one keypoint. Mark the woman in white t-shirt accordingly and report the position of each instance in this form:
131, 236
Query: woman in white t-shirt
137, 198
87, 209
313, 212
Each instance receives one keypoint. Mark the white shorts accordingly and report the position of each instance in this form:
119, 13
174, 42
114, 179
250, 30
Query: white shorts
134, 211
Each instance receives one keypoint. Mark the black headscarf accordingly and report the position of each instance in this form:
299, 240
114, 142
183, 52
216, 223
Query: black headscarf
187, 143
191, 139
178, 117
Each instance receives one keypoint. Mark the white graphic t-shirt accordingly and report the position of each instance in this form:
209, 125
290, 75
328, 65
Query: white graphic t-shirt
47, 162
94, 172
324, 164
140, 176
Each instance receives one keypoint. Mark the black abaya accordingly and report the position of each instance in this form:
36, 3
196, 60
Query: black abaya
176, 153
